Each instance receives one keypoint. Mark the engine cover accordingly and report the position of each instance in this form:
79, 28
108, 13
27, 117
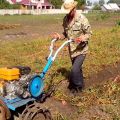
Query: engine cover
9, 74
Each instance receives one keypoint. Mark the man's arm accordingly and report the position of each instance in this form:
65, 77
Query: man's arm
86, 28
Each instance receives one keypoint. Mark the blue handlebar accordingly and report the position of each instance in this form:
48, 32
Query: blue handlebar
51, 57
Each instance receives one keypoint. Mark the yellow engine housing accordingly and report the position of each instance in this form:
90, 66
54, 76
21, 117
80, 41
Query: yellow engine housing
9, 74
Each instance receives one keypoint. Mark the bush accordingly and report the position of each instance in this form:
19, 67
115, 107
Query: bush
6, 5
97, 7
102, 16
58, 3
105, 16
118, 22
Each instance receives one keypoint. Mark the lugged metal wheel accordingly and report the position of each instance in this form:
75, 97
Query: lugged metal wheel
5, 112
2, 113
35, 112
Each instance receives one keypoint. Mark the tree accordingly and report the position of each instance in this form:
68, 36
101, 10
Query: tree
114, 1
89, 3
81, 4
101, 2
56, 3
5, 5
96, 6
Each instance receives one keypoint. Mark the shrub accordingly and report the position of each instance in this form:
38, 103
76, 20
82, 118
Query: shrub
105, 16
102, 16
96, 7
6, 5
118, 22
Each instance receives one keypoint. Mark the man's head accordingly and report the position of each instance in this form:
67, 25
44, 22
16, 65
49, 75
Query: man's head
69, 5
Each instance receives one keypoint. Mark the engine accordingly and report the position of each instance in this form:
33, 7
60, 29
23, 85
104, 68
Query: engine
14, 82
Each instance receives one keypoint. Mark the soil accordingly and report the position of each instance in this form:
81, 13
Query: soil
61, 108
66, 109
108, 72
57, 107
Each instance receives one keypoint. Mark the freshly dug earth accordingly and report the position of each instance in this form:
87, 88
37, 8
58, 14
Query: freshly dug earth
8, 26
106, 73
62, 109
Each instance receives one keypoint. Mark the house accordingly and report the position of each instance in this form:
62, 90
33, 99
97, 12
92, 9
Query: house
89, 7
110, 7
33, 4
27, 4
44, 4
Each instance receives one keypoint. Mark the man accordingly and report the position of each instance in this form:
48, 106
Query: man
76, 27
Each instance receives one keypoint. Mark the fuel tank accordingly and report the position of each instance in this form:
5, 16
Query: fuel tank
9, 74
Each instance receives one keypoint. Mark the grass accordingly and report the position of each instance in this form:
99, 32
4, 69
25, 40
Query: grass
100, 102
104, 50
118, 22
40, 19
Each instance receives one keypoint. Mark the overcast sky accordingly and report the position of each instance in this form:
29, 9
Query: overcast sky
97, 0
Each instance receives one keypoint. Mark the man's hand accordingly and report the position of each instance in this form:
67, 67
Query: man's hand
80, 39
77, 40
57, 36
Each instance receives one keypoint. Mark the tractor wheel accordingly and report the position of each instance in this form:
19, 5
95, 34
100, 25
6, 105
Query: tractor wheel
35, 112
42, 115
4, 111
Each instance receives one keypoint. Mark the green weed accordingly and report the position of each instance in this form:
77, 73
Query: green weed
60, 117
118, 22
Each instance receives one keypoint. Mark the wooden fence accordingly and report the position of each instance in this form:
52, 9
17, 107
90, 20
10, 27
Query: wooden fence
33, 12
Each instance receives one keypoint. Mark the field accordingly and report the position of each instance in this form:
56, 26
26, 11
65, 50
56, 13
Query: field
25, 40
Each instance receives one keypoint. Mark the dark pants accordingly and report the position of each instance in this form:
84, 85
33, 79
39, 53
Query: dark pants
76, 76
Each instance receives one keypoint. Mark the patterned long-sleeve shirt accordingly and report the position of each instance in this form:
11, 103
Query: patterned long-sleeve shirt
79, 26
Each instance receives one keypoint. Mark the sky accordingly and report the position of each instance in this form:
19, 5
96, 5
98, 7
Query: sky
98, 0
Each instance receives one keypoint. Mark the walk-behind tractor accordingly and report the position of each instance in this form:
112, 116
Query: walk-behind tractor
21, 92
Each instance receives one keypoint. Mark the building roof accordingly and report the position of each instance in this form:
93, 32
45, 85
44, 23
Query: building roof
111, 6
24, 2
114, 6
13, 1
29, 2
106, 6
